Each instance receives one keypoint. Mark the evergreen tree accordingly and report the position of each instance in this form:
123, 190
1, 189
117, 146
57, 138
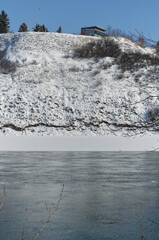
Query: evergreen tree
23, 28
39, 28
4, 22
43, 28
59, 30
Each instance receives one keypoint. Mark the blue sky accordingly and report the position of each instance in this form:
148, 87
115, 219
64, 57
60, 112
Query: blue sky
127, 15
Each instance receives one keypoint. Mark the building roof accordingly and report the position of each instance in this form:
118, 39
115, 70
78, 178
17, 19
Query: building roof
95, 27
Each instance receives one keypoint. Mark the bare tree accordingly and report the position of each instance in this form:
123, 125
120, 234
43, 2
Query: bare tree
114, 32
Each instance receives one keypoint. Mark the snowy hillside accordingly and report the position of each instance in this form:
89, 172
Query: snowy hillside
46, 90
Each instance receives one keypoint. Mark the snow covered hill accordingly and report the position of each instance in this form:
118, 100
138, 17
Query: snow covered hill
46, 90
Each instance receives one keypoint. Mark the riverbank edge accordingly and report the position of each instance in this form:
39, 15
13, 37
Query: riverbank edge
79, 143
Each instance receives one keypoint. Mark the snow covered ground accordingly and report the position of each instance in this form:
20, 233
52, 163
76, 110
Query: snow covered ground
49, 92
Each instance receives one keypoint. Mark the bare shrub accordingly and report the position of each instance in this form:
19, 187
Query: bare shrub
106, 65
34, 62
137, 60
109, 47
153, 114
74, 69
135, 36
106, 47
156, 47
141, 41
116, 32
6, 66
120, 76
99, 83
96, 72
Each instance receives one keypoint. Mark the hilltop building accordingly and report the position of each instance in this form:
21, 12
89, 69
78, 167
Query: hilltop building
93, 31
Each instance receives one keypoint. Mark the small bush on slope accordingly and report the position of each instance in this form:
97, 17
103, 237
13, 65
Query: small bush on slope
105, 47
153, 114
135, 61
5, 65
108, 47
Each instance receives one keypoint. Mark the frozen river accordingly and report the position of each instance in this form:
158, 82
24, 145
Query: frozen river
102, 198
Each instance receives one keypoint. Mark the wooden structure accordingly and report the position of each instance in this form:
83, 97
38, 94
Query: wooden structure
93, 31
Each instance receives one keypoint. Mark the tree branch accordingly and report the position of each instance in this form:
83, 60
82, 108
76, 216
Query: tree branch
24, 226
3, 198
153, 221
50, 214
142, 229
